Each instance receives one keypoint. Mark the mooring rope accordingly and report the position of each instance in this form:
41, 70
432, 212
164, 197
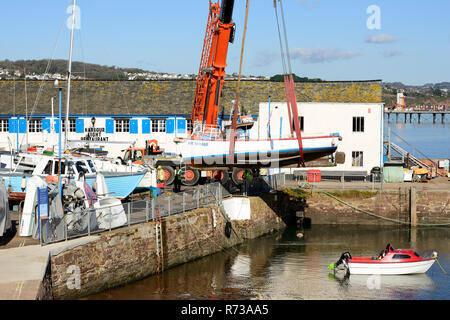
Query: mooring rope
381, 217
445, 272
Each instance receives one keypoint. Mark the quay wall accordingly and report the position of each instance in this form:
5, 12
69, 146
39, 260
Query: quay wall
172, 97
129, 254
432, 207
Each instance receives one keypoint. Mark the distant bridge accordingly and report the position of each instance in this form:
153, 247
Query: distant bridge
418, 112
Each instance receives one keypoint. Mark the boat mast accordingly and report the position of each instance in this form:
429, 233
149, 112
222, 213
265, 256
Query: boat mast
69, 72
26, 107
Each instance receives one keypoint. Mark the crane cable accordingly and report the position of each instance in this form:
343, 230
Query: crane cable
283, 63
289, 84
236, 105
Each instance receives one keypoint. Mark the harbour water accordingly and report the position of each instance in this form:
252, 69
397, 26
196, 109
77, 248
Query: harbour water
283, 266
432, 139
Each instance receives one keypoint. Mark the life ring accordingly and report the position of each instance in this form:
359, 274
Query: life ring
228, 229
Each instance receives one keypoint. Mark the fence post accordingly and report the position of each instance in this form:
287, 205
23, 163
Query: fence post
65, 227
168, 200
40, 231
184, 201
198, 197
89, 221
153, 208
129, 212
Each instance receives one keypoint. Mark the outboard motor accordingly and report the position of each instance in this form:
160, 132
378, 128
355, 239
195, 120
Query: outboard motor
340, 267
343, 259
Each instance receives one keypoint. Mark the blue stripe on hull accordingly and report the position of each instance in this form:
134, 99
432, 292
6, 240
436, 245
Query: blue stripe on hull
120, 186
307, 150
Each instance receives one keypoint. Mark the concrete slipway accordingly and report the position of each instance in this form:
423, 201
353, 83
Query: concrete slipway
22, 269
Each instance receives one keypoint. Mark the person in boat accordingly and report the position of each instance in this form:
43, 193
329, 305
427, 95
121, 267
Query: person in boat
178, 178
383, 253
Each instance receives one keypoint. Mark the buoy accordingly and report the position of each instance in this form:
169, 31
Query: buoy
299, 235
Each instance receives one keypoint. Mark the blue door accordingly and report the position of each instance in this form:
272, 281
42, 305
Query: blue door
170, 125
46, 125
56, 125
109, 126
22, 125
134, 127
146, 126
181, 126
12, 123
79, 126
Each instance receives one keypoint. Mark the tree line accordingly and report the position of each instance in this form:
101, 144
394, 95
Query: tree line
280, 78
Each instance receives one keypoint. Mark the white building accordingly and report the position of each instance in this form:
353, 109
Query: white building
359, 124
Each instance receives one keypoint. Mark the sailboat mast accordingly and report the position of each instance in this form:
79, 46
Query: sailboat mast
69, 73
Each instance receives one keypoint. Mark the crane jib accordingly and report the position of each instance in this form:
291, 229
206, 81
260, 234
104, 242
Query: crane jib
226, 14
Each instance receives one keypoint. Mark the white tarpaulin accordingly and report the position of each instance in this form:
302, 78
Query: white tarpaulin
5, 219
29, 207
237, 208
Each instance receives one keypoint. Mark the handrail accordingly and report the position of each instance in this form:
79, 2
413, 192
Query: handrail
426, 157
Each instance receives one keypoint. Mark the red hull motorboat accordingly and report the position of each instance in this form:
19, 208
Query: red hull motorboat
389, 261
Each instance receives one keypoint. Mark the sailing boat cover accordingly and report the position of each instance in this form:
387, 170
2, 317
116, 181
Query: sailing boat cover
5, 219
29, 208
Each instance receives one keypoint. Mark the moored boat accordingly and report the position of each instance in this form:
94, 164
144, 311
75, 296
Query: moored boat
213, 153
390, 261
120, 184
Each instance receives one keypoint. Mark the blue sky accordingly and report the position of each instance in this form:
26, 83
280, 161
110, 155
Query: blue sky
328, 39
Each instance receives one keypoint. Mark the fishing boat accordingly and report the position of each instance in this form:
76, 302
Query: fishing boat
120, 184
390, 261
212, 151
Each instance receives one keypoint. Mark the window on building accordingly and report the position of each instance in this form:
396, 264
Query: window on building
358, 124
189, 125
162, 125
154, 125
357, 159
302, 123
122, 125
72, 125
35, 126
4, 125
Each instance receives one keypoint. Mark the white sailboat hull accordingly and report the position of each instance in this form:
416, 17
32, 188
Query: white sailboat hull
391, 267
256, 153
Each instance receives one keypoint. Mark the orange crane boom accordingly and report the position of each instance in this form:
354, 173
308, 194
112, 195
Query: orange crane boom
219, 33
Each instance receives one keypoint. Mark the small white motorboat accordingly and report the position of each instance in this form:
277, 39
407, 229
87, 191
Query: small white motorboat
389, 261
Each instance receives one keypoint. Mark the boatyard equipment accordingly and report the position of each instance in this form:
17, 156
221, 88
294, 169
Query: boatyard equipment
220, 31
314, 176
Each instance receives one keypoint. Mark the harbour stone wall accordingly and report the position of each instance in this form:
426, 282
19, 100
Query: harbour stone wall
431, 207
169, 97
128, 254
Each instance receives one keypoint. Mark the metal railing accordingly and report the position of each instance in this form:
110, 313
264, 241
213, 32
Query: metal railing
92, 221
201, 131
